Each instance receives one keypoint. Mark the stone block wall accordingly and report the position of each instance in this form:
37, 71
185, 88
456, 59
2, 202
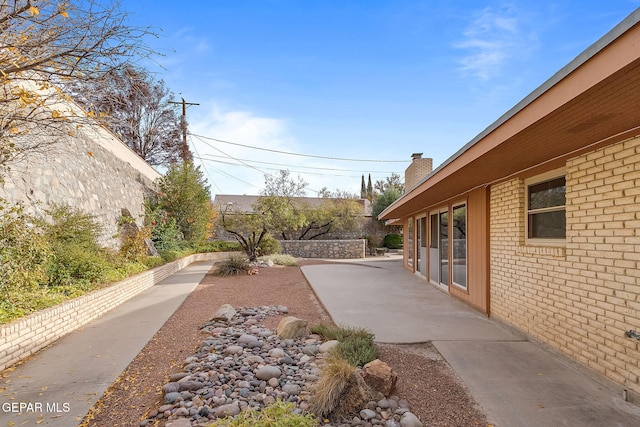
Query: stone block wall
25, 336
580, 298
336, 249
93, 171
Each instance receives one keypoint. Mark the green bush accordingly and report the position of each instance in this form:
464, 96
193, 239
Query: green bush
279, 414
269, 246
356, 345
217, 246
183, 194
77, 256
357, 350
24, 254
393, 241
165, 234
233, 265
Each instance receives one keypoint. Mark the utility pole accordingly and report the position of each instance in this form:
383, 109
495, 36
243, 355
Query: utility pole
185, 146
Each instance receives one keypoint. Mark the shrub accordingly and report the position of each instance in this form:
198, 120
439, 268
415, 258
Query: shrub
184, 195
77, 256
134, 245
279, 414
165, 235
340, 333
217, 246
24, 254
356, 345
269, 246
358, 350
338, 392
393, 241
233, 265
280, 259
71, 226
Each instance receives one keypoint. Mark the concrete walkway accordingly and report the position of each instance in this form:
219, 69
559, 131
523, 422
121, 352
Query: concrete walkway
517, 382
61, 383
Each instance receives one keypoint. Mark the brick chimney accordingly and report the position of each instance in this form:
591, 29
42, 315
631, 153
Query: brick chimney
417, 170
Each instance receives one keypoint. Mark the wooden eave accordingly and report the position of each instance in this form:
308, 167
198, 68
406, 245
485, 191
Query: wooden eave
592, 102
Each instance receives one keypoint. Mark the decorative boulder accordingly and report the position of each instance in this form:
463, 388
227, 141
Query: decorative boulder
291, 327
224, 312
328, 345
379, 376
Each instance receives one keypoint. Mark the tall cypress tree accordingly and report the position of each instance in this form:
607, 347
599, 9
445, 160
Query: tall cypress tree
369, 189
363, 189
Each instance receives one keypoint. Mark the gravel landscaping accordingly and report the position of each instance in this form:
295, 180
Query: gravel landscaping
190, 349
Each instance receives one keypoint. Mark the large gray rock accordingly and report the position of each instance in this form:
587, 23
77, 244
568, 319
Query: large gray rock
224, 312
326, 346
265, 373
229, 410
291, 327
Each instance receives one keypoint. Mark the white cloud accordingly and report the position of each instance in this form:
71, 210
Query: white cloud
492, 39
227, 176
245, 128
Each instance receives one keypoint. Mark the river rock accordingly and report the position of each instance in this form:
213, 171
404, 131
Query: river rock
265, 373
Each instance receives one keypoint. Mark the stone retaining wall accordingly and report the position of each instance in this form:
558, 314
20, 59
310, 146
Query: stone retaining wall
339, 249
92, 171
24, 337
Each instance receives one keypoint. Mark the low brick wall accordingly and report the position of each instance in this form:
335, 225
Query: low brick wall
336, 249
25, 336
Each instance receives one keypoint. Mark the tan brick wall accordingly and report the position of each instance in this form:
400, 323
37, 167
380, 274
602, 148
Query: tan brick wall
416, 171
581, 298
26, 336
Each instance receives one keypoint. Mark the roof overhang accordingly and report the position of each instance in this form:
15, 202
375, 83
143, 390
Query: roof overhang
591, 102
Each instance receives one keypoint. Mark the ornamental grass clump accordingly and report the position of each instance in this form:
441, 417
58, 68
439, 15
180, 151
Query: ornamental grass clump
233, 266
279, 414
339, 392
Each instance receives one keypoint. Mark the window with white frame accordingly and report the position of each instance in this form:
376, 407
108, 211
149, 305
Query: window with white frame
545, 205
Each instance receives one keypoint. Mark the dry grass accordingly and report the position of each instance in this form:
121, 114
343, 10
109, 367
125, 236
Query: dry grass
338, 392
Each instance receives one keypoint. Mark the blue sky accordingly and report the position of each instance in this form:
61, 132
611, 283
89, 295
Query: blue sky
361, 80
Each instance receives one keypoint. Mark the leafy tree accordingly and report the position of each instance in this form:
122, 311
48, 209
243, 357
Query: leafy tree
47, 44
283, 185
382, 201
294, 219
333, 215
136, 107
248, 228
391, 181
184, 195
337, 194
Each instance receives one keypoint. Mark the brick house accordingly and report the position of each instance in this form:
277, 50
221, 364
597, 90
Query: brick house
536, 221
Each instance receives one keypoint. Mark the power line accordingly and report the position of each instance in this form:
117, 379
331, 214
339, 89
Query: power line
277, 169
297, 154
305, 167
205, 169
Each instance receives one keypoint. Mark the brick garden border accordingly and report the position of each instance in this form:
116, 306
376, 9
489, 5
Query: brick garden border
23, 337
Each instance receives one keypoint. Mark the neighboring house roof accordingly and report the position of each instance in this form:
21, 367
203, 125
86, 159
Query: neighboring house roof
591, 102
245, 203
